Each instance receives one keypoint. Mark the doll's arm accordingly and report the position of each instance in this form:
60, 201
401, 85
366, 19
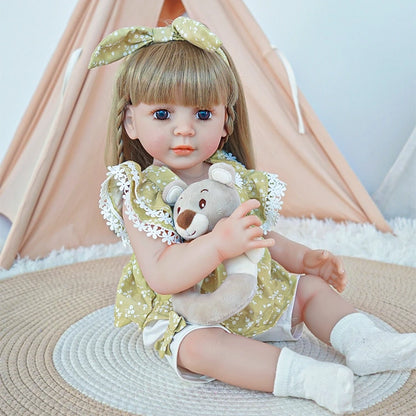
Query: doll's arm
297, 258
288, 253
175, 268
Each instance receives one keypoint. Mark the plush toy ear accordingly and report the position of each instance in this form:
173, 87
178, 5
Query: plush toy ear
223, 173
173, 190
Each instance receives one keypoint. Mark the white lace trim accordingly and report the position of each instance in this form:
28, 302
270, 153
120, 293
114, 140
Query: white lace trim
110, 214
274, 201
239, 183
273, 204
276, 191
115, 221
151, 230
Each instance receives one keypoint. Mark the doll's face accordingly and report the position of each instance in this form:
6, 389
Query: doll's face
177, 136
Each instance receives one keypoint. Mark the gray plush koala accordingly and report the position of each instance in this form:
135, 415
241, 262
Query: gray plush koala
197, 209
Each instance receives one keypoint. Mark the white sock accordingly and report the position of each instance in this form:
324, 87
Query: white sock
370, 350
328, 384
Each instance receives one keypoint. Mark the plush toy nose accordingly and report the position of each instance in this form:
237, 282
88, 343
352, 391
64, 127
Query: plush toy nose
185, 218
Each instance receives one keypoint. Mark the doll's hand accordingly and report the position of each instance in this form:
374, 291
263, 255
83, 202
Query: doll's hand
240, 232
324, 264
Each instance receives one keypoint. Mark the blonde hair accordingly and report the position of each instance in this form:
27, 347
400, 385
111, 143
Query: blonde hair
177, 71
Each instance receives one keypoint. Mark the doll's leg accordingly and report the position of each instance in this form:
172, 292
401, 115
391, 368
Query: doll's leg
367, 349
319, 307
255, 365
228, 357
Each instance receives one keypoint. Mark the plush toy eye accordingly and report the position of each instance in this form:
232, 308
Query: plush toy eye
202, 203
178, 210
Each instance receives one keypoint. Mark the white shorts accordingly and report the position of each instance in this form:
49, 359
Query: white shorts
282, 331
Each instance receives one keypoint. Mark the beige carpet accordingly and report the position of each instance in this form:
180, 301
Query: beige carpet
38, 309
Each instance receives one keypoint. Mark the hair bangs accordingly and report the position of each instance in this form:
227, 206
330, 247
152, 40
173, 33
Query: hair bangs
183, 74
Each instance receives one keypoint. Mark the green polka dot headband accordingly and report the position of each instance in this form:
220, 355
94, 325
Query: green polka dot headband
127, 40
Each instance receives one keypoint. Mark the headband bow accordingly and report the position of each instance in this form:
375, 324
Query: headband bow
126, 40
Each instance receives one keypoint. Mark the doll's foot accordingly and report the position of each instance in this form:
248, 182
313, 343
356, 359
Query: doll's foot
328, 384
370, 350
384, 351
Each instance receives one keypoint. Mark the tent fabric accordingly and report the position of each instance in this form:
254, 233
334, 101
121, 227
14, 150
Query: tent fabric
51, 174
393, 196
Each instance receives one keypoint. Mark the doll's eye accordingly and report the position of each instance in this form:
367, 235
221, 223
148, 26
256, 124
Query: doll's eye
204, 115
202, 203
161, 114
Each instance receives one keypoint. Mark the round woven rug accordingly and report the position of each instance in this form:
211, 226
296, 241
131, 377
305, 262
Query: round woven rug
61, 355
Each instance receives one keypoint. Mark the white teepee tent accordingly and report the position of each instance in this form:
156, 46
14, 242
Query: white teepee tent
396, 196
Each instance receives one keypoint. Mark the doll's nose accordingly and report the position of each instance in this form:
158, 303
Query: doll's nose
184, 128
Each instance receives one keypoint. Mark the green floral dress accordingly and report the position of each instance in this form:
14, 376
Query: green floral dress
141, 193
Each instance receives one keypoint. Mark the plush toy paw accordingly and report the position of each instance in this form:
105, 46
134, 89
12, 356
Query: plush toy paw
255, 255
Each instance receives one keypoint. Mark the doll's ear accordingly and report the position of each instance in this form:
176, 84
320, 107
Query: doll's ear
228, 125
129, 122
173, 190
223, 173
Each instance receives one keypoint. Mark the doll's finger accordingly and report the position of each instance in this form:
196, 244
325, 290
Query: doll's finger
338, 266
243, 209
340, 287
339, 283
262, 243
255, 232
324, 255
335, 275
268, 242
251, 220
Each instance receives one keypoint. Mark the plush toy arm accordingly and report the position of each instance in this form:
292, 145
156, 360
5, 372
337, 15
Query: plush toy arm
255, 255
234, 294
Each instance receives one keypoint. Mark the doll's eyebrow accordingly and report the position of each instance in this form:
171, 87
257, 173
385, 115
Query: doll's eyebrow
204, 190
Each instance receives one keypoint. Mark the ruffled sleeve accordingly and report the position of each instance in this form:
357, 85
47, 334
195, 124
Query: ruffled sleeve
141, 194
264, 186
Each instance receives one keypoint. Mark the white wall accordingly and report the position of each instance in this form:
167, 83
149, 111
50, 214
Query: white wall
29, 34
354, 61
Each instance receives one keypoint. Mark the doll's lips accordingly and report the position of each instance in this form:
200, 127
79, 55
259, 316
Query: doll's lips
183, 150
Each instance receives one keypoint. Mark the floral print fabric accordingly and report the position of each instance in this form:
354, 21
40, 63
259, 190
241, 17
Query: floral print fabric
141, 193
